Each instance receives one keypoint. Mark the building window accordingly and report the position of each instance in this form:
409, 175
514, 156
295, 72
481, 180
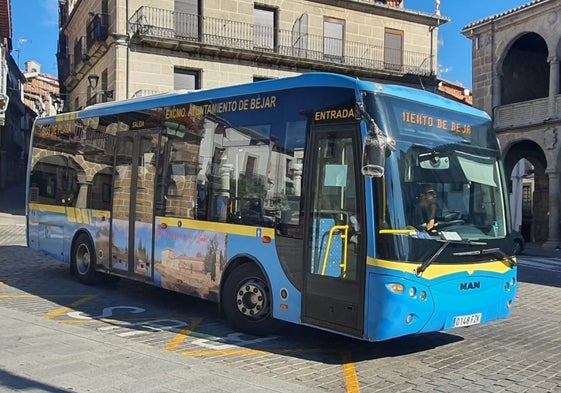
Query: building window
333, 35
526, 200
393, 49
265, 27
186, 18
250, 166
186, 79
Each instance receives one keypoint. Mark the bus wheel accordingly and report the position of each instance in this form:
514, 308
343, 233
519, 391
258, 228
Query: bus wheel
246, 301
82, 264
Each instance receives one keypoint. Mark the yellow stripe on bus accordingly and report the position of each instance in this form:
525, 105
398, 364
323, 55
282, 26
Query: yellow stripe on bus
437, 270
86, 216
232, 229
71, 214
67, 116
47, 208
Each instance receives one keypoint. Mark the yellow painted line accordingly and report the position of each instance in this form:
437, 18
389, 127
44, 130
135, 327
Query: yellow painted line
17, 296
242, 351
182, 335
225, 352
349, 371
111, 321
27, 296
62, 310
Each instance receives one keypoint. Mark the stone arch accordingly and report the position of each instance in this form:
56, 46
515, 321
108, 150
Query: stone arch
524, 69
55, 180
529, 188
101, 186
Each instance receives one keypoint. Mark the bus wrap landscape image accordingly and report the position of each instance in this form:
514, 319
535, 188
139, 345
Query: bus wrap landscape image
370, 210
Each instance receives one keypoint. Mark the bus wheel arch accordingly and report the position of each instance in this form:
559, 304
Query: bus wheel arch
83, 259
246, 298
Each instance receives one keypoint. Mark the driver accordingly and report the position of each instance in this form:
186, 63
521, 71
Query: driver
428, 207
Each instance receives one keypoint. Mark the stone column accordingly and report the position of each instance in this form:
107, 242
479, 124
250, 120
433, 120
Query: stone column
554, 195
82, 199
297, 178
553, 85
496, 90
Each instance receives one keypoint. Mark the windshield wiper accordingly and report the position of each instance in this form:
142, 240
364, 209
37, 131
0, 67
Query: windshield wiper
500, 253
495, 251
430, 260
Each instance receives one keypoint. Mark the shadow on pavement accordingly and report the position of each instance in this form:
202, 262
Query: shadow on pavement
539, 276
19, 383
43, 277
12, 200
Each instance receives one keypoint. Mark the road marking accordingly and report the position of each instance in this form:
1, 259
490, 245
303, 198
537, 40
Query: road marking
63, 310
349, 372
182, 335
106, 312
27, 296
111, 321
17, 296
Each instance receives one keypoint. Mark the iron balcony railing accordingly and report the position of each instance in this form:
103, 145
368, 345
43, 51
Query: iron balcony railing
156, 23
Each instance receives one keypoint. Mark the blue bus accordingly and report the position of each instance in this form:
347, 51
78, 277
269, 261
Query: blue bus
299, 200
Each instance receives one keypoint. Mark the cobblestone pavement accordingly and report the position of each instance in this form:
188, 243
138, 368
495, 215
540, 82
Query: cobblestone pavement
519, 354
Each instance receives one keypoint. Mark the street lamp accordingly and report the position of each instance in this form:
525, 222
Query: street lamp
93, 80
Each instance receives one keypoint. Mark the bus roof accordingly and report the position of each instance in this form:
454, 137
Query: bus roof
310, 79
426, 97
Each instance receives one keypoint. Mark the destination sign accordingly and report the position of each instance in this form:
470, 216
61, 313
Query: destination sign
441, 123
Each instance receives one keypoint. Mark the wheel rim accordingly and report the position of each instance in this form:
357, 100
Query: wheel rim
251, 299
83, 259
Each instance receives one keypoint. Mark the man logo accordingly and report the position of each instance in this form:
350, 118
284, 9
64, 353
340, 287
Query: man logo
470, 285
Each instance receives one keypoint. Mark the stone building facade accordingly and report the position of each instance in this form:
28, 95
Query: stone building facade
516, 79
136, 48
15, 117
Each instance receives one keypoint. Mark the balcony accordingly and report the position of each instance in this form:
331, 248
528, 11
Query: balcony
523, 114
228, 38
97, 34
80, 51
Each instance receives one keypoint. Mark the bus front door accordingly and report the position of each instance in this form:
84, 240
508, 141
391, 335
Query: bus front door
132, 221
333, 295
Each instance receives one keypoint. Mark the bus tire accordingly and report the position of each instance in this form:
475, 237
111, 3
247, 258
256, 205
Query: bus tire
246, 301
82, 264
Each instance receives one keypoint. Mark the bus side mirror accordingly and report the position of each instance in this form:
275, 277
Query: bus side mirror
374, 153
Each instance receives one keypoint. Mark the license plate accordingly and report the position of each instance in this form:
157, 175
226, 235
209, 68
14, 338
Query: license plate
467, 320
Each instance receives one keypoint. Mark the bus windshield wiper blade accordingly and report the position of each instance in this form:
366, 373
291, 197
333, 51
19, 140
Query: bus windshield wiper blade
445, 244
430, 260
494, 251
500, 253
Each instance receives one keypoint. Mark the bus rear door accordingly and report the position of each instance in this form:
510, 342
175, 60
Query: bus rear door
132, 224
333, 295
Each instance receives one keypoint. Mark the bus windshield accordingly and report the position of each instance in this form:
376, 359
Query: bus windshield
445, 180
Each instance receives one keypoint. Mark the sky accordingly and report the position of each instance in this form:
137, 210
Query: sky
35, 32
